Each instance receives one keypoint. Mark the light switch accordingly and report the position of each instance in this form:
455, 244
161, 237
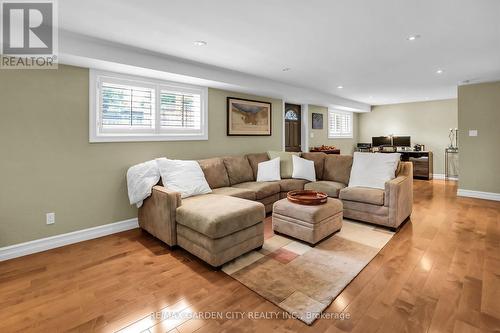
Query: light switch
312, 135
472, 132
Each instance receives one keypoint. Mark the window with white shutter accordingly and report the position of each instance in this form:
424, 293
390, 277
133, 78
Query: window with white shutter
126, 108
180, 110
339, 124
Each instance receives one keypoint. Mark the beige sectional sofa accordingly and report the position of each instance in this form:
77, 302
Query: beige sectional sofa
228, 222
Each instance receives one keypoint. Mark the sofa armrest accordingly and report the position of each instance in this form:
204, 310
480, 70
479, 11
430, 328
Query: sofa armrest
157, 214
399, 197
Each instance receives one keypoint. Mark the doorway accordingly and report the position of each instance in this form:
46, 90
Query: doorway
293, 124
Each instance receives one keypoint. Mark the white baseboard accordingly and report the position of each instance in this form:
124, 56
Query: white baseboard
478, 194
441, 176
39, 245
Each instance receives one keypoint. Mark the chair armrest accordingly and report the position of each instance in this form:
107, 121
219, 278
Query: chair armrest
398, 197
157, 214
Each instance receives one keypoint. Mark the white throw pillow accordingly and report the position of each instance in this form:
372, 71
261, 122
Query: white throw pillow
303, 169
373, 169
185, 177
269, 171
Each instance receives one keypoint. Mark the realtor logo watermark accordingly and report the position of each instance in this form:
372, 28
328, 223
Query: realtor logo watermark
29, 34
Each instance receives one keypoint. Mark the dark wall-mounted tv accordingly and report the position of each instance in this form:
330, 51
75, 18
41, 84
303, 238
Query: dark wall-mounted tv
401, 141
378, 141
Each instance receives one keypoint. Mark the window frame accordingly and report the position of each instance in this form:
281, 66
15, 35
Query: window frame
349, 135
98, 134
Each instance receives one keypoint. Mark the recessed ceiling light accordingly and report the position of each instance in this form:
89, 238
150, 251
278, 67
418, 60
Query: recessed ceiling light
440, 71
286, 69
200, 43
413, 37
340, 87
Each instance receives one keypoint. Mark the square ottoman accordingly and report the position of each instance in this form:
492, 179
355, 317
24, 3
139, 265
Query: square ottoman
308, 223
219, 228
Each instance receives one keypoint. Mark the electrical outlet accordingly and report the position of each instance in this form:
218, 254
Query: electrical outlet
51, 218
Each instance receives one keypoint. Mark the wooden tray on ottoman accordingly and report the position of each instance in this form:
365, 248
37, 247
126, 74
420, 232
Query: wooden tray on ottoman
307, 197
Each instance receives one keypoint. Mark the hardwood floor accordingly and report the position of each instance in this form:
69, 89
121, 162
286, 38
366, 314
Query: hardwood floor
440, 273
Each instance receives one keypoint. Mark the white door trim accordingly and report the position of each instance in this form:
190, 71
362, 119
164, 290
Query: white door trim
283, 125
441, 176
304, 135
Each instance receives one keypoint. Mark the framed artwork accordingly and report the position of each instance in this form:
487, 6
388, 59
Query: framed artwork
317, 121
248, 117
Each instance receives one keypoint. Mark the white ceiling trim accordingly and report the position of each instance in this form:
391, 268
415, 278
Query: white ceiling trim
78, 50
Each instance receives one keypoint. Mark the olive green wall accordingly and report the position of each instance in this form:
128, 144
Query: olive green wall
346, 145
479, 109
427, 123
48, 165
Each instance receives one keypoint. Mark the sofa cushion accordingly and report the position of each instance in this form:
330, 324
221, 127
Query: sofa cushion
181, 176
337, 168
292, 184
255, 159
329, 187
286, 165
373, 170
303, 169
217, 216
215, 172
269, 171
261, 189
235, 192
238, 169
372, 196
319, 162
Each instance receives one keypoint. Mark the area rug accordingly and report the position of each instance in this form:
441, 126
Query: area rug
304, 280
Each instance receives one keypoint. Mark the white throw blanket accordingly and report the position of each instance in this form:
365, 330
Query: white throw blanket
140, 180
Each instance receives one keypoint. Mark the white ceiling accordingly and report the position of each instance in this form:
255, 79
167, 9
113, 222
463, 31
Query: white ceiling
359, 44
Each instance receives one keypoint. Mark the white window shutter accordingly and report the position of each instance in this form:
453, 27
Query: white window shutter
125, 106
339, 124
180, 110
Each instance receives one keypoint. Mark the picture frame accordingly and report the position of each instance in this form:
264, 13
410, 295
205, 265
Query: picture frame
317, 121
246, 117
